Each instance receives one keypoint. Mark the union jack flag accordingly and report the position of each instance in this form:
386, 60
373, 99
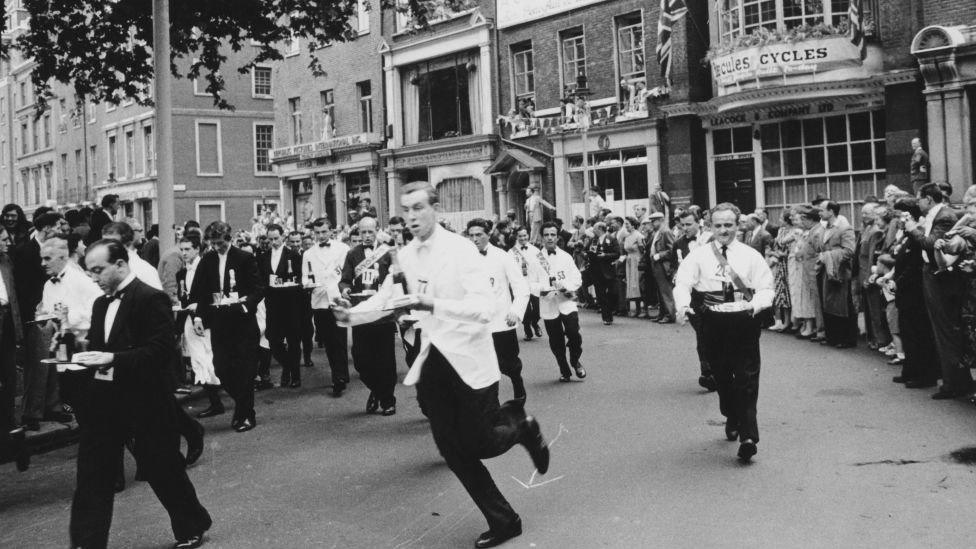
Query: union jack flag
855, 13
671, 12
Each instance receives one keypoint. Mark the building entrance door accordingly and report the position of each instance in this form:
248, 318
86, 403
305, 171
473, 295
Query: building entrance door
735, 182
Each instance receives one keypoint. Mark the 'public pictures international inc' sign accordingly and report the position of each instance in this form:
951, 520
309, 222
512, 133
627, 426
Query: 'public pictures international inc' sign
515, 12
779, 60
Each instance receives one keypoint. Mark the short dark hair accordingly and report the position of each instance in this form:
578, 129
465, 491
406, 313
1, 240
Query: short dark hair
293, 233
558, 222
116, 250
633, 221
480, 222
321, 221
46, 220
688, 213
123, 230
931, 191
432, 196
520, 229
549, 225
109, 199
192, 240
396, 220
41, 210
191, 223
831, 205
725, 207
218, 229
274, 227
809, 212
909, 204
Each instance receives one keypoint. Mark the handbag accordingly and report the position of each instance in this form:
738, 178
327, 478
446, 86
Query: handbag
765, 316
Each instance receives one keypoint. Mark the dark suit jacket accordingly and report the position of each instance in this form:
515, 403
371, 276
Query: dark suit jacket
288, 256
943, 223
29, 278
9, 282
908, 277
142, 341
355, 283
99, 219
284, 305
150, 252
663, 247
760, 241
604, 267
249, 285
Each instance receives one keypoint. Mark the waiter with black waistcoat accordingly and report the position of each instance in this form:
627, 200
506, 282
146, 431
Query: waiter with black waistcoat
281, 267
130, 395
373, 345
227, 298
456, 371
729, 283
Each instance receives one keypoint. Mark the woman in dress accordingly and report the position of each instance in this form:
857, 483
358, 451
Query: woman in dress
778, 257
804, 296
633, 247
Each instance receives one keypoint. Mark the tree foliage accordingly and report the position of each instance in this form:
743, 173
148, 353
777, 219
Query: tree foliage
104, 47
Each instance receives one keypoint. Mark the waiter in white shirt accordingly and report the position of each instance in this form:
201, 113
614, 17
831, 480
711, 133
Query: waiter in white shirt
728, 283
526, 255
511, 294
456, 371
322, 265
557, 306
69, 295
123, 233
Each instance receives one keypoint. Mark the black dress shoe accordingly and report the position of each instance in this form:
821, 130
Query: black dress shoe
245, 425
731, 432
263, 384
919, 384
580, 372
210, 412
607, 322
60, 417
388, 411
32, 424
18, 446
538, 332
708, 383
194, 445
338, 388
747, 449
531, 438
846, 345
309, 363
295, 384
942, 394
901, 379
493, 538
565, 379
189, 543
897, 361
372, 404
816, 339
528, 336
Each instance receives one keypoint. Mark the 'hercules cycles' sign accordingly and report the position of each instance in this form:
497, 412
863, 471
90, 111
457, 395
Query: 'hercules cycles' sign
777, 60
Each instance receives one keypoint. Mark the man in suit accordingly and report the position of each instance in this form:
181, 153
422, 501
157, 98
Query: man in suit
233, 274
765, 223
834, 278
296, 241
662, 267
525, 255
13, 444
284, 306
102, 217
691, 239
42, 395
373, 345
756, 236
129, 395
602, 254
944, 291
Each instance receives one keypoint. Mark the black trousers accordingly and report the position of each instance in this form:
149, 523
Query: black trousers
374, 357
921, 360
286, 349
530, 320
944, 294
696, 323
732, 341
234, 339
8, 382
336, 340
507, 351
606, 296
469, 425
308, 331
564, 333
157, 453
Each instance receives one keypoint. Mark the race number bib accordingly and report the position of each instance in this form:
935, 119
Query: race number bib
370, 276
422, 286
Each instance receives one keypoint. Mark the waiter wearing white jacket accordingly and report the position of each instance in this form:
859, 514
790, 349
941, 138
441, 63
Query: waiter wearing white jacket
557, 306
322, 267
456, 371
511, 297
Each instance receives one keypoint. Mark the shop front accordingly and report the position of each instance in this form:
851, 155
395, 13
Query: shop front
620, 163
330, 177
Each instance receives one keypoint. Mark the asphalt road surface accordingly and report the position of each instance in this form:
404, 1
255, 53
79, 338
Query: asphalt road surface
639, 459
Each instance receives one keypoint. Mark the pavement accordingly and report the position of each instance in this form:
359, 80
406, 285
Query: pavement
847, 459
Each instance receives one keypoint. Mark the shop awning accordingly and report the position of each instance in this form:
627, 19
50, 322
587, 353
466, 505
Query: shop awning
510, 160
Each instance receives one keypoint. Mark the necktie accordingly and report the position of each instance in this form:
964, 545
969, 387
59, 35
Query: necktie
113, 297
725, 250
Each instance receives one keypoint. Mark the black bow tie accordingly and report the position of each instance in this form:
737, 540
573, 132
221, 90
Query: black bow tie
323, 244
552, 252
483, 252
525, 247
56, 279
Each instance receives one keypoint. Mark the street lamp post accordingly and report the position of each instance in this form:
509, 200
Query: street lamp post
164, 125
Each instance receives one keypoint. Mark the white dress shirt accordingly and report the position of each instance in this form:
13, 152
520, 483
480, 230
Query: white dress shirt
75, 291
222, 267
191, 272
113, 306
701, 271
4, 296
275, 258
325, 263
448, 269
533, 272
561, 267
506, 281
144, 271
